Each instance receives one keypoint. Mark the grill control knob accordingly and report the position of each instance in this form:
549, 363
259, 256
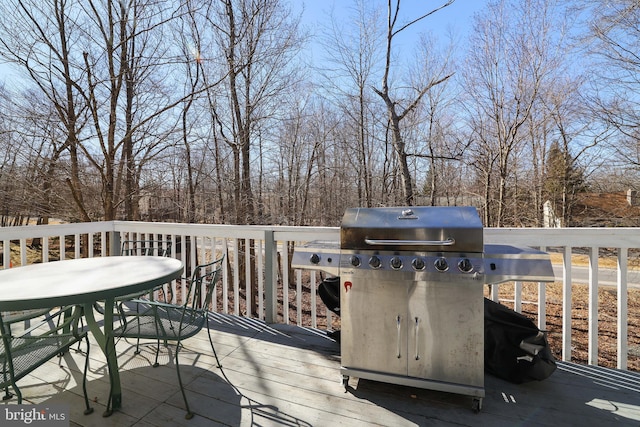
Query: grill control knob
355, 261
315, 258
417, 264
441, 264
396, 263
375, 262
465, 265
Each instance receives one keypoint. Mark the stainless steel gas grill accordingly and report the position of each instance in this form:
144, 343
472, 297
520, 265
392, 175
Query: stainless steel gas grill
411, 293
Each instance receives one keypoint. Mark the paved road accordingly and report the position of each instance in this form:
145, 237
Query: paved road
606, 276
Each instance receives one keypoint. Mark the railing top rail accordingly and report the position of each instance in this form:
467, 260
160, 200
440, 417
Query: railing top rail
549, 237
282, 232
628, 237
53, 230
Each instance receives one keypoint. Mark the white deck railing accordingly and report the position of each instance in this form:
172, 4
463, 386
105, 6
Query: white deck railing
193, 243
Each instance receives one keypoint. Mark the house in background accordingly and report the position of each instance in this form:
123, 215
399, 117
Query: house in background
617, 209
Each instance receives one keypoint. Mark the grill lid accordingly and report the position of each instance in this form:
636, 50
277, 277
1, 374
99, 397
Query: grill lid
416, 228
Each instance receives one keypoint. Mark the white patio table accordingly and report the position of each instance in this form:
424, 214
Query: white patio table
84, 282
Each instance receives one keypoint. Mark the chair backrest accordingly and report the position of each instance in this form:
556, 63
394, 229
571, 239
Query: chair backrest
33, 346
202, 284
146, 247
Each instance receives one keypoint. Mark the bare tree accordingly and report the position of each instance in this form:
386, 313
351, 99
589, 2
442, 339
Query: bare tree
107, 72
259, 40
39, 38
613, 36
396, 113
509, 62
127, 100
433, 123
352, 54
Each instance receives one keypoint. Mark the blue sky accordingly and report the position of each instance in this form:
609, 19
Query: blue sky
456, 17
454, 20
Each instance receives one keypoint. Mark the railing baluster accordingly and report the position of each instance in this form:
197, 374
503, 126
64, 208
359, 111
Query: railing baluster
517, 296
236, 277
593, 307
312, 291
90, 244
271, 277
495, 293
285, 286
260, 268
542, 302
248, 277
174, 283
183, 255
6, 253
299, 297
623, 313
23, 251
62, 247
45, 249
225, 278
566, 304
76, 246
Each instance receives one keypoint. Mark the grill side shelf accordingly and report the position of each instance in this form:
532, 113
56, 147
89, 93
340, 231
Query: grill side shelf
504, 263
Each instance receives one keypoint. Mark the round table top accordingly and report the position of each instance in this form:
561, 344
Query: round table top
81, 281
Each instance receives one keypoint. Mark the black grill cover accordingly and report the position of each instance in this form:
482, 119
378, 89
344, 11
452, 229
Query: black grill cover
514, 348
329, 291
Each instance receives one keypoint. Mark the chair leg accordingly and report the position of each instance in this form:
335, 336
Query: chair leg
156, 364
16, 389
108, 411
219, 365
89, 409
189, 414
7, 394
137, 320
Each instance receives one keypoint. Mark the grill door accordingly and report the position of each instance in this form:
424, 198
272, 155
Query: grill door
373, 324
446, 332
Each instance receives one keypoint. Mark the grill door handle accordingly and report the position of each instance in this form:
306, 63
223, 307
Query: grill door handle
399, 324
389, 242
417, 336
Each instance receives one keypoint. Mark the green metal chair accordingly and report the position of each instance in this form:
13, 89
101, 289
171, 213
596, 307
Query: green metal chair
144, 248
138, 248
169, 322
51, 336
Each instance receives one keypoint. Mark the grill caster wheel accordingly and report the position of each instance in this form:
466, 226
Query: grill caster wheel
345, 382
477, 404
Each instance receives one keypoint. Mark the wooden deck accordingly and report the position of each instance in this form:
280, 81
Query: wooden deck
279, 375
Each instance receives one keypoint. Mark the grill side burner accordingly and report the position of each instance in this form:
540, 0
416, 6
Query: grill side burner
411, 293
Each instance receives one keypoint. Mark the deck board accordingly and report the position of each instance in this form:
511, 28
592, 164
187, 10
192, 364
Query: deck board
276, 375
